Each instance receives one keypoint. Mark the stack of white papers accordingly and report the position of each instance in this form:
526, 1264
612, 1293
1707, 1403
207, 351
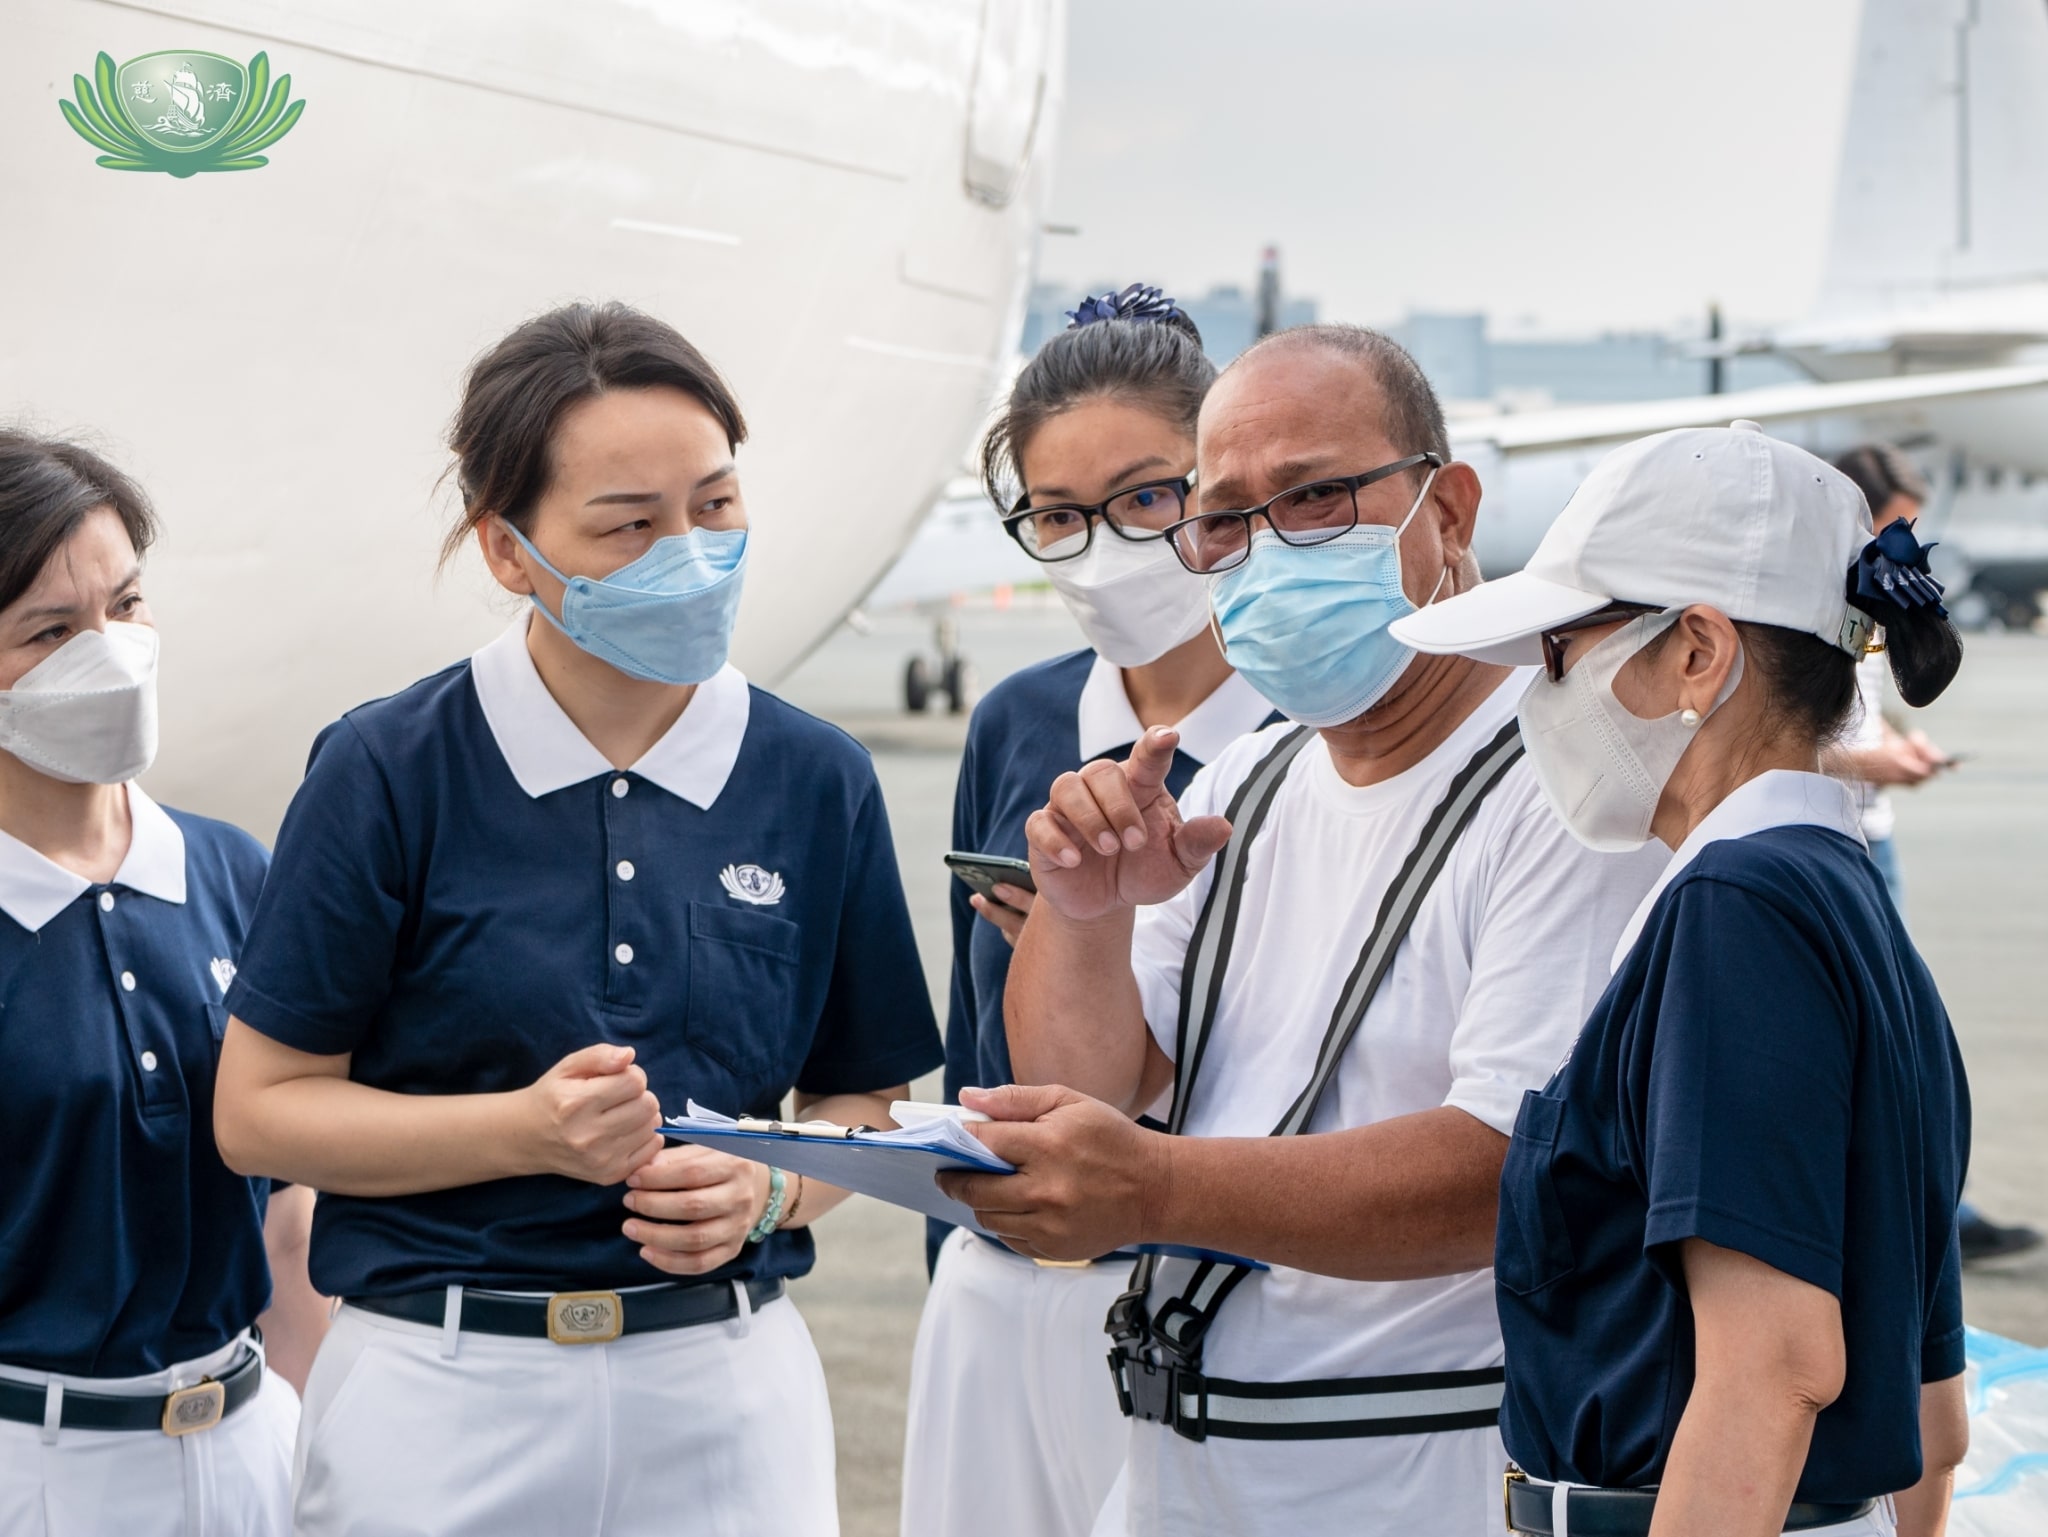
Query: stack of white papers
894, 1166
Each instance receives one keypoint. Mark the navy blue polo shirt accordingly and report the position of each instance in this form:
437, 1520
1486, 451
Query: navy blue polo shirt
126, 1245
1032, 727
464, 893
1772, 1071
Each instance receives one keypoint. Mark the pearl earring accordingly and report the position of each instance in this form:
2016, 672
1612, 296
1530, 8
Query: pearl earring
1689, 717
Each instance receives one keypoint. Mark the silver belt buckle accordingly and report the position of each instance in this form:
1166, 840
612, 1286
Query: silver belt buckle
585, 1318
199, 1407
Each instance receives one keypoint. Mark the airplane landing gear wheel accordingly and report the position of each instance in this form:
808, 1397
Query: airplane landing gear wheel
958, 685
917, 685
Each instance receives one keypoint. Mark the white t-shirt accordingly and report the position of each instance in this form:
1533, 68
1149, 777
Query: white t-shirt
1506, 957
1866, 730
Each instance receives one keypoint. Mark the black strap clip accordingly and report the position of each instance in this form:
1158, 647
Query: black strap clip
1158, 1392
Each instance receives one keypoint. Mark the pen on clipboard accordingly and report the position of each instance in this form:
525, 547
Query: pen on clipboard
824, 1130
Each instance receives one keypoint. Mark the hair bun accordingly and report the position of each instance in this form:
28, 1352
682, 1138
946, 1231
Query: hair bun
1140, 302
1890, 582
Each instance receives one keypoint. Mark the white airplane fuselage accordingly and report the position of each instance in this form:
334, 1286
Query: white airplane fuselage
837, 204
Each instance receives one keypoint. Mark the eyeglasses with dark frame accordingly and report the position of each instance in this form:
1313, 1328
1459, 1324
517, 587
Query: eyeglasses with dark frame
1556, 638
1309, 514
1139, 513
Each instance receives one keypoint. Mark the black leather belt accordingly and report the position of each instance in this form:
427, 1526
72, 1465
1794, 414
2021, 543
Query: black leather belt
1626, 1512
580, 1317
200, 1407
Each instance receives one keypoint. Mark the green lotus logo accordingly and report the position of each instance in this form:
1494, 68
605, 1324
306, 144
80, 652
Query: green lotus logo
182, 113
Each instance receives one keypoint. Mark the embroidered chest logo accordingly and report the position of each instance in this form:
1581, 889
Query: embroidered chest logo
751, 883
223, 972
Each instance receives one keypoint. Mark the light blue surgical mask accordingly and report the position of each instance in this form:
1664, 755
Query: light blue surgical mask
1307, 624
666, 617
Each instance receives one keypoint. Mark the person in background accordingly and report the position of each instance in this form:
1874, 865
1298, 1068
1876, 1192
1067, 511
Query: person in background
1013, 1427
1874, 757
1727, 1268
134, 1396
514, 909
1348, 946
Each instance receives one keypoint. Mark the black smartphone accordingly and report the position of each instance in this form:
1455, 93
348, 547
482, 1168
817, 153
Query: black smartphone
984, 872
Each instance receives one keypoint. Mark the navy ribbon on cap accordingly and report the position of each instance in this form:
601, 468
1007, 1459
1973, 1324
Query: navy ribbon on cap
1140, 302
1892, 571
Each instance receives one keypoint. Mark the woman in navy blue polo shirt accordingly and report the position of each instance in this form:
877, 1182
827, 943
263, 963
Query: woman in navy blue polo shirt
133, 1394
1727, 1268
1013, 1424
513, 910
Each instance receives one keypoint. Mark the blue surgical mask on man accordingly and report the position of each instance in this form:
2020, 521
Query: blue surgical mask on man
1307, 624
666, 617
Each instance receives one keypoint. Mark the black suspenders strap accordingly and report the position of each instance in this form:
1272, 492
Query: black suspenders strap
1157, 1356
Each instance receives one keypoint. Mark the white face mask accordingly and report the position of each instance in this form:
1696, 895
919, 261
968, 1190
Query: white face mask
1603, 767
86, 713
1134, 601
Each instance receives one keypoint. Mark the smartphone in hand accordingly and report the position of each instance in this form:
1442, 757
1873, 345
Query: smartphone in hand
984, 872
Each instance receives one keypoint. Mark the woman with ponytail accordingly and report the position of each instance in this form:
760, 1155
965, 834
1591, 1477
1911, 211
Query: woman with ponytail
1726, 1265
1014, 1427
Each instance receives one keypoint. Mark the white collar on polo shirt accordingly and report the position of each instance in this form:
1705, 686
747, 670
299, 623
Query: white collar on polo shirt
1107, 722
546, 752
33, 890
1779, 798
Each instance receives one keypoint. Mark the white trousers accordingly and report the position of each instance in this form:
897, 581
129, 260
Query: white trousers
1013, 1428
720, 1430
231, 1481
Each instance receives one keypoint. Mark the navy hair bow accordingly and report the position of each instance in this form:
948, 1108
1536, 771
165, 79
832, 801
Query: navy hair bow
1892, 570
1140, 302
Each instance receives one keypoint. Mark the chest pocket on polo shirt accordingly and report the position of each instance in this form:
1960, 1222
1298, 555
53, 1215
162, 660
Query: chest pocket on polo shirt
1534, 1247
743, 974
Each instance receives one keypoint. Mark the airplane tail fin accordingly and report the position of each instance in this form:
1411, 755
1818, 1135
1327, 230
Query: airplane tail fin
1943, 182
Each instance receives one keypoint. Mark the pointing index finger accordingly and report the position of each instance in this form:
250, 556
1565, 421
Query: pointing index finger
1151, 758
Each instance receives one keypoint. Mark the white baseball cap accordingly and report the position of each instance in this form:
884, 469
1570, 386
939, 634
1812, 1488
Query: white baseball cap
1725, 516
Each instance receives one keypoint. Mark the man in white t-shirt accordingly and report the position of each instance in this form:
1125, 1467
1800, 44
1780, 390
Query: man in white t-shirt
1349, 1387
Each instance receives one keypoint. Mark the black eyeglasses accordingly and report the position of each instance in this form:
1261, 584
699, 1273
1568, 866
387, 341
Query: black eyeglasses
1309, 514
1063, 530
1555, 640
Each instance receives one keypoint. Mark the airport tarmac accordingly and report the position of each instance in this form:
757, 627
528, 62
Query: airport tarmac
1974, 845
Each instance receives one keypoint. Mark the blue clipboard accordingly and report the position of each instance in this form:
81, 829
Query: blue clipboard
893, 1166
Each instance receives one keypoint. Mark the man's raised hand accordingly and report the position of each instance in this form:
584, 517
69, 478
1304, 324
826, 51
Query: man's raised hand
1112, 836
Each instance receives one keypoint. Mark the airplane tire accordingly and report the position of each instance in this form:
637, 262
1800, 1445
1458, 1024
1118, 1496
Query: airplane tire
917, 685
959, 685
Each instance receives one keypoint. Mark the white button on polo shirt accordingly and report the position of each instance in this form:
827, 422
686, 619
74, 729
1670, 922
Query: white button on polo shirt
149, 1061
106, 901
619, 788
127, 981
625, 869
624, 954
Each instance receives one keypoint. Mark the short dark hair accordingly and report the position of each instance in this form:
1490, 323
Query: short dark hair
1414, 416
47, 487
515, 395
1158, 365
1881, 472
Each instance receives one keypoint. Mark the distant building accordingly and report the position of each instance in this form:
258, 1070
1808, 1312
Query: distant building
1227, 315
1464, 363
1452, 350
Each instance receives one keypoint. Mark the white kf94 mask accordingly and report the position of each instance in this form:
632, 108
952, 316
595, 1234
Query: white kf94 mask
86, 713
1133, 599
1603, 767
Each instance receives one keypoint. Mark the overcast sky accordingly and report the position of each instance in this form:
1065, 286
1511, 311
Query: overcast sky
1566, 165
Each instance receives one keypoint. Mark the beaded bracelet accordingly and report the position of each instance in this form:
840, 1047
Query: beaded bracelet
771, 1214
